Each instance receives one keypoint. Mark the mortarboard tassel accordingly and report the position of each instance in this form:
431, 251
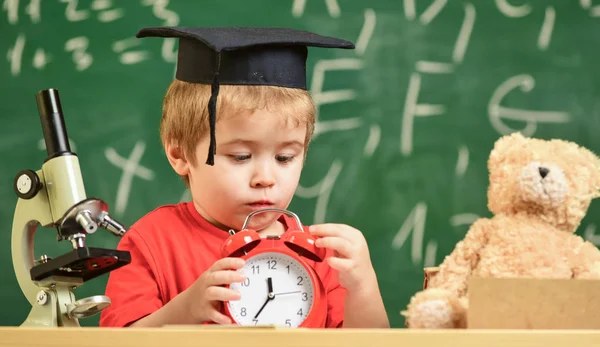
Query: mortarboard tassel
212, 113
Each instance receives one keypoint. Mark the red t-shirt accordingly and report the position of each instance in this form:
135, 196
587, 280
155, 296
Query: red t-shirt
170, 248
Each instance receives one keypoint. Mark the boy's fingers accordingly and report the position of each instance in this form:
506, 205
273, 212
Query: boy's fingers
332, 229
228, 263
340, 264
327, 229
338, 244
219, 318
225, 277
216, 293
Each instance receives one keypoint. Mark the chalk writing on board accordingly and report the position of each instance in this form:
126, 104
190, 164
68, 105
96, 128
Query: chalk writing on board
372, 140
127, 56
498, 113
414, 227
594, 11
41, 59
332, 96
513, 11
127, 50
463, 161
366, 32
131, 168
78, 46
412, 109
323, 188
519, 11
412, 106
463, 219
73, 13
428, 15
15, 55
432, 11
547, 27
73, 10
105, 13
11, 7
432, 67
464, 35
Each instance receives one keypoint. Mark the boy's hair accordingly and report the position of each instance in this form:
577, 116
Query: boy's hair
185, 111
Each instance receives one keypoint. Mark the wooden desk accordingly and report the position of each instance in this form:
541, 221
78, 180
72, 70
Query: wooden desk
193, 336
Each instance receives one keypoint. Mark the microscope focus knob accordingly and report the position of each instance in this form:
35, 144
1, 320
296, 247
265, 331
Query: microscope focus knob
27, 184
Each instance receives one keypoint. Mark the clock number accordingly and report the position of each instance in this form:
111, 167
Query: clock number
255, 269
304, 296
299, 280
246, 282
243, 312
255, 321
288, 323
288, 268
299, 313
271, 264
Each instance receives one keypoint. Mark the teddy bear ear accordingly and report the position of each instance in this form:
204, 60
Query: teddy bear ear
504, 145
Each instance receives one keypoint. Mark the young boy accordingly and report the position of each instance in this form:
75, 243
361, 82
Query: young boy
256, 80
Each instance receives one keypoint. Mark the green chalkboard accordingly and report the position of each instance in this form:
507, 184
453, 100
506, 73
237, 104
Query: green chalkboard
406, 121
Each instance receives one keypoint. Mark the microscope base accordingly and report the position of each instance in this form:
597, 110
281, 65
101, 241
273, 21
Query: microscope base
51, 309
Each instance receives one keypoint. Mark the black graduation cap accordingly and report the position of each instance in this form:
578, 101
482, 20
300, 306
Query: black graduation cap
242, 56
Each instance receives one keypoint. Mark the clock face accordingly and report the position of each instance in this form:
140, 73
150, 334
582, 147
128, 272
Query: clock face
277, 291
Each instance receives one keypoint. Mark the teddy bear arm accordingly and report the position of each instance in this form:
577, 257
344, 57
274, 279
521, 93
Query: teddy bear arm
444, 304
457, 267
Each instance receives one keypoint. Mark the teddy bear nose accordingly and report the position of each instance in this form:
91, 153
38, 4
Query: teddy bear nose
543, 171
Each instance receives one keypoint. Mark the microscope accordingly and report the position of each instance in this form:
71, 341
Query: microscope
55, 197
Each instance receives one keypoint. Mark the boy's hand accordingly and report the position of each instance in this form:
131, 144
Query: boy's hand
351, 255
203, 298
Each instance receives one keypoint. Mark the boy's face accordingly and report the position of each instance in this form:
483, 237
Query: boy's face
257, 165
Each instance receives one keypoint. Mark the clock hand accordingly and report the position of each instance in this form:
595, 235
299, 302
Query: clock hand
270, 296
270, 285
262, 307
287, 293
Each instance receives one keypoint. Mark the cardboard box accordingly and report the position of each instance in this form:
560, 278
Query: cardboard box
524, 303
520, 303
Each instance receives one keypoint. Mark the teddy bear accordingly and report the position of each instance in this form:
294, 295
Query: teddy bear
539, 191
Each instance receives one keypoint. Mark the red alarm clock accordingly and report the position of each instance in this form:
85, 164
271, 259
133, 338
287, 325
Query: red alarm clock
281, 288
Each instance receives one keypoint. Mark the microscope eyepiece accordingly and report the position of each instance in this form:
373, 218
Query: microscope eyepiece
53, 123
